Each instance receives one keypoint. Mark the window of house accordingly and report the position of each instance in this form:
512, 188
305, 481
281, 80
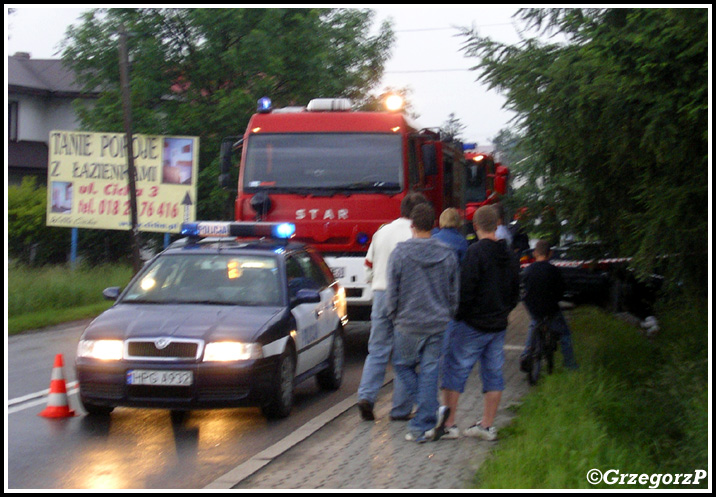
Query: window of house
12, 121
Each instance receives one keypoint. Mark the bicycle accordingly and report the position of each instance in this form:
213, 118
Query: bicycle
544, 345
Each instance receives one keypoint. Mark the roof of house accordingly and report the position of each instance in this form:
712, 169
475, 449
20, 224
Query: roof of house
41, 76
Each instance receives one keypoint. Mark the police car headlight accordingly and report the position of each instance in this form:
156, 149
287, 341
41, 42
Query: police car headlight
232, 351
104, 350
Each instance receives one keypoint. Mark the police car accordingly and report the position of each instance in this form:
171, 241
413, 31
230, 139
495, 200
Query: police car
217, 320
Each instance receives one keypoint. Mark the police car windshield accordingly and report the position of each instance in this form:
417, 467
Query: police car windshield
220, 279
329, 161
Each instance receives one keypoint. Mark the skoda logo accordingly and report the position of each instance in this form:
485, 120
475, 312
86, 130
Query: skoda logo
162, 343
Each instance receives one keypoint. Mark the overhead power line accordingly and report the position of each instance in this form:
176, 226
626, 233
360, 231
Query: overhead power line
449, 28
426, 70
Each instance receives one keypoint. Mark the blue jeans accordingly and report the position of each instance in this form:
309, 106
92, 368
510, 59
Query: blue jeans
466, 346
560, 327
380, 346
416, 361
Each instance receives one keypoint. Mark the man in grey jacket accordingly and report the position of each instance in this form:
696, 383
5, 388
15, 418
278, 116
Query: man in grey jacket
421, 299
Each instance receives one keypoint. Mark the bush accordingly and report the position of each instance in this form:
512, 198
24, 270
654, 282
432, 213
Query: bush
30, 241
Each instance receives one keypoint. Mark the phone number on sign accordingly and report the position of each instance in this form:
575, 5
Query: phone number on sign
144, 209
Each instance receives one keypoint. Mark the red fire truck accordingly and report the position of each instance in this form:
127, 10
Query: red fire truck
340, 174
487, 181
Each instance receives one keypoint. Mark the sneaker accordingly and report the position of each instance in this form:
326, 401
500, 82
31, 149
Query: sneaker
477, 431
366, 410
420, 438
439, 430
450, 433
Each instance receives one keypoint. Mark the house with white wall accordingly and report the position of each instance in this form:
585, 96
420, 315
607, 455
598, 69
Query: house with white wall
40, 97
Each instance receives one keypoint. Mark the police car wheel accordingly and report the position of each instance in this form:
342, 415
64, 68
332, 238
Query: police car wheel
281, 398
331, 378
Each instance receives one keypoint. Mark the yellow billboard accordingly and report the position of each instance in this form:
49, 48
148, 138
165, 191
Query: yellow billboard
88, 186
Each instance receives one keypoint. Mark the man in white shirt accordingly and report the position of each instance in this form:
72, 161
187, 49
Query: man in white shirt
380, 343
502, 232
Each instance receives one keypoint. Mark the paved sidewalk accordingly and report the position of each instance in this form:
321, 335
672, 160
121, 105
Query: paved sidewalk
349, 453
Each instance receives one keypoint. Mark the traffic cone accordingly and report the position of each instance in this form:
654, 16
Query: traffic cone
57, 405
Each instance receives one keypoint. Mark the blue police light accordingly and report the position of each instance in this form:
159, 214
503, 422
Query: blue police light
283, 230
190, 229
469, 146
362, 238
264, 105
202, 229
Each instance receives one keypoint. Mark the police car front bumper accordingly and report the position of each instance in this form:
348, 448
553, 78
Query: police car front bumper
213, 385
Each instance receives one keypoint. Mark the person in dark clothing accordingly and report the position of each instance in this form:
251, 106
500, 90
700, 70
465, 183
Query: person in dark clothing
544, 288
520, 240
489, 290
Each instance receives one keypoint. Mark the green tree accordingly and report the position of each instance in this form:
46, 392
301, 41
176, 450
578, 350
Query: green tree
199, 72
509, 150
452, 129
616, 119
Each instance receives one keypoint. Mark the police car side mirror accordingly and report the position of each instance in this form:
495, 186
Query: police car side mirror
306, 296
111, 293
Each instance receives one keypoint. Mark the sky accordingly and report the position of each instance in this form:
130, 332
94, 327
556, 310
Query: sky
426, 58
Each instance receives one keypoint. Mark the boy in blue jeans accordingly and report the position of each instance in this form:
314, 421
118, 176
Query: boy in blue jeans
421, 298
489, 290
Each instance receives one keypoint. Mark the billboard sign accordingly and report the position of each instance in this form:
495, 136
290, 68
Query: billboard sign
88, 187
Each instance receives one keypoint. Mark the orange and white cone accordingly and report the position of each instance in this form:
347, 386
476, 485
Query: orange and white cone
57, 405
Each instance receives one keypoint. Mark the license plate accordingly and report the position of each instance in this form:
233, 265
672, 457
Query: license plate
338, 272
160, 378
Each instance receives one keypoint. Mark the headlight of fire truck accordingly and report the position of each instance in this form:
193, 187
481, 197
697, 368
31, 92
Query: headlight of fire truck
394, 103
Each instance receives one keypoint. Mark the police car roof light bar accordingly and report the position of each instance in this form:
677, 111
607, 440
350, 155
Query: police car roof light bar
201, 229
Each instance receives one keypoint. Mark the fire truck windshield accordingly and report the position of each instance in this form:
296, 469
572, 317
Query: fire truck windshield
475, 183
324, 161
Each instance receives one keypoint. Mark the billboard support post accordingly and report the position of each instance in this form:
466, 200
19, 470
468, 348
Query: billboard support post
73, 249
131, 173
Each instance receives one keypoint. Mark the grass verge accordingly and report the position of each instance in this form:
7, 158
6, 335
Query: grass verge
636, 406
46, 296
42, 319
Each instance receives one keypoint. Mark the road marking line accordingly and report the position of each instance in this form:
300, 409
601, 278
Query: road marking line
36, 399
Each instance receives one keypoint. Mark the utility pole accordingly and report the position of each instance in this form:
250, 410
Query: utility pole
126, 104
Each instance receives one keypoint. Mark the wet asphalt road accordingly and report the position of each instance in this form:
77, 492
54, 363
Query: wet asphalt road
138, 448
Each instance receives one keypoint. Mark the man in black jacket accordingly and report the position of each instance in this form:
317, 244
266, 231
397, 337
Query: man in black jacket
489, 290
544, 288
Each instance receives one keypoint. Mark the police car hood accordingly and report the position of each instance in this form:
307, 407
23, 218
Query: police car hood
204, 322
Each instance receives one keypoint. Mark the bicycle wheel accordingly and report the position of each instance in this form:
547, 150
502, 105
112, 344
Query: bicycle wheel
536, 366
550, 347
549, 356
533, 375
